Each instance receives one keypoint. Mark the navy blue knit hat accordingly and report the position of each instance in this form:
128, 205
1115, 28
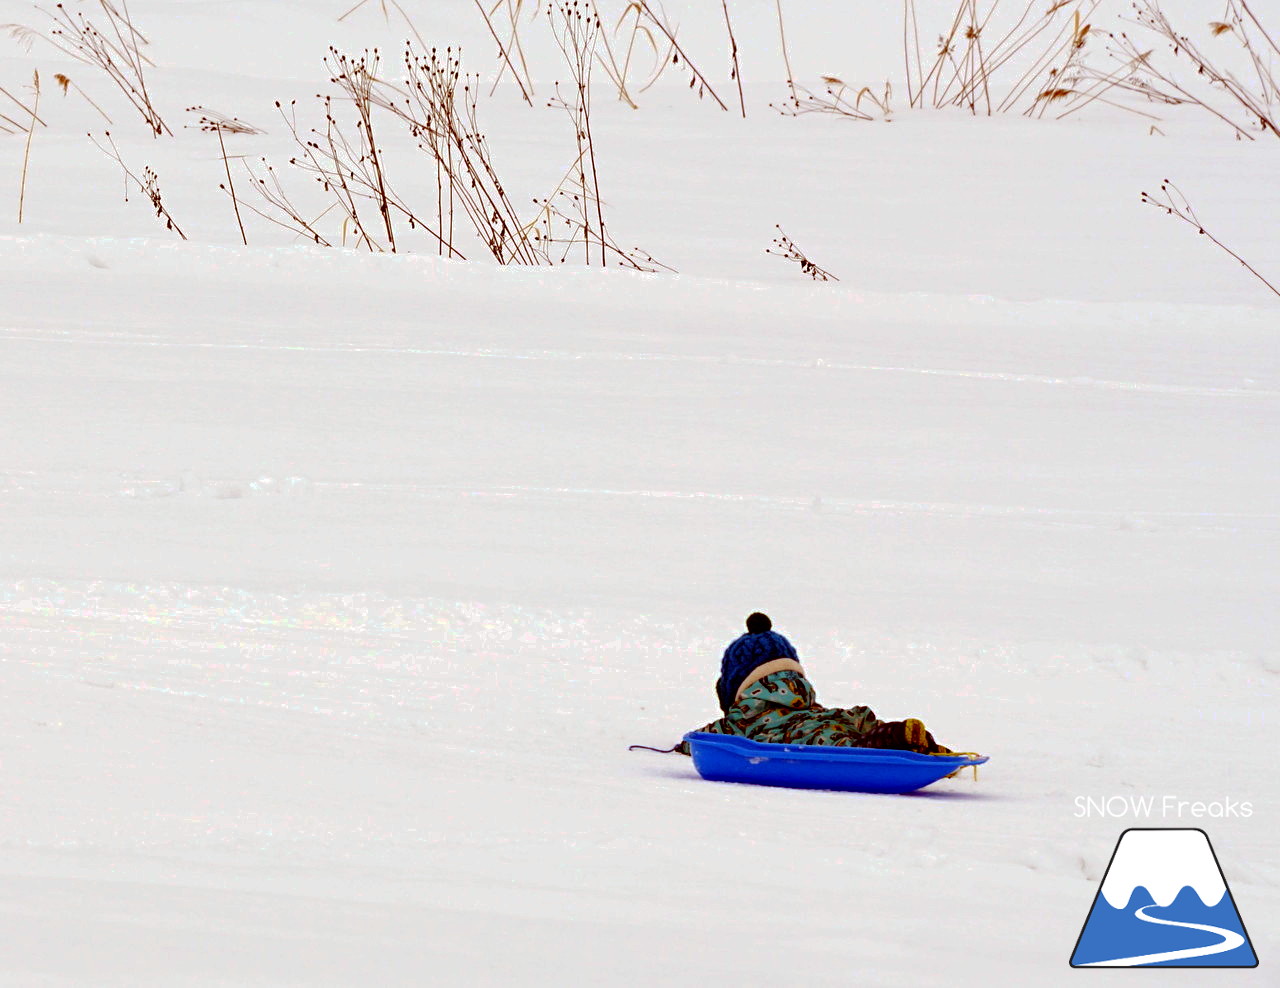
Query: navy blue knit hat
759, 645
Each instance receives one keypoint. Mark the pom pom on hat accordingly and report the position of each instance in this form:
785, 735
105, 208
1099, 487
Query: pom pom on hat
758, 623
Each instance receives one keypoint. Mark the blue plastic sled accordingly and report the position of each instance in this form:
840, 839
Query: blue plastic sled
729, 758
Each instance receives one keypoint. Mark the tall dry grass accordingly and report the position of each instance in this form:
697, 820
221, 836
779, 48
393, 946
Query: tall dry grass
1248, 104
116, 49
26, 151
18, 125
986, 65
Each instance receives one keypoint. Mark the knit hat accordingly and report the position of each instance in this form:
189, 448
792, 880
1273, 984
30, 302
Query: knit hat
759, 645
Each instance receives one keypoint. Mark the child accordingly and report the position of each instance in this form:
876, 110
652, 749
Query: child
765, 696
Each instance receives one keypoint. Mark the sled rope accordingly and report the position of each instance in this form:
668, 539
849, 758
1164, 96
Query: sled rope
645, 747
956, 773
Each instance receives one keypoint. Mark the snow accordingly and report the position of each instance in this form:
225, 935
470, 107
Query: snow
334, 585
1146, 858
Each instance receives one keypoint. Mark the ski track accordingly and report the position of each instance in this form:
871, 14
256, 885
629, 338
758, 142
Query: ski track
117, 487
1007, 377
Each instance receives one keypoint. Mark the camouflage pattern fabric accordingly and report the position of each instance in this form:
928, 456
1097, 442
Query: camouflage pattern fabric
782, 708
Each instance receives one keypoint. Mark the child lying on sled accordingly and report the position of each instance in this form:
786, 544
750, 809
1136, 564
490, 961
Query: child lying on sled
765, 696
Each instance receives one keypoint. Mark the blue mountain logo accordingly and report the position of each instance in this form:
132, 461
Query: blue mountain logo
1164, 903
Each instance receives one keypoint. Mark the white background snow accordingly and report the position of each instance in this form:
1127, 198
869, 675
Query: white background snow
334, 585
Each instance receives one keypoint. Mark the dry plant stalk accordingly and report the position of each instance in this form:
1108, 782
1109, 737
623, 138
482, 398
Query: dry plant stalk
786, 56
356, 78
26, 154
834, 98
911, 46
117, 51
12, 125
574, 212
837, 99
230, 188
439, 105
429, 107
65, 83
785, 247
211, 121
149, 184
349, 167
1046, 50
556, 230
620, 74
1058, 85
23, 35
280, 209
513, 9
697, 79
1175, 204
1258, 99
736, 72
328, 157
386, 16
577, 28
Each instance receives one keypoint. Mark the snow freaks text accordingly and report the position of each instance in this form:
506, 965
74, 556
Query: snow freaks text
1162, 806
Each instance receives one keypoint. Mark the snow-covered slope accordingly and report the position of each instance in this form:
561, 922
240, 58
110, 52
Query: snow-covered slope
333, 586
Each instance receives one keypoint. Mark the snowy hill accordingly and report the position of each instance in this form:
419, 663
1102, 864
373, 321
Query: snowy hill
335, 582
